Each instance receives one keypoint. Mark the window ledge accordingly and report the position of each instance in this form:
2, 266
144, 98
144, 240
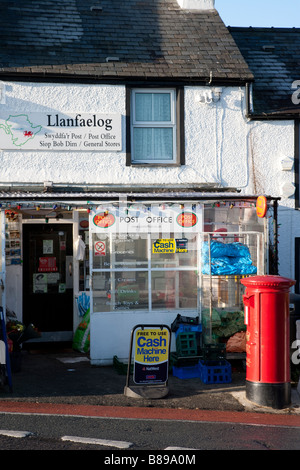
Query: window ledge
147, 165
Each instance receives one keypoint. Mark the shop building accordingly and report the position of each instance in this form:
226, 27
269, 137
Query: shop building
126, 151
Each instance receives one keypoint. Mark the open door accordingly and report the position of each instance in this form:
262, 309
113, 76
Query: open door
48, 280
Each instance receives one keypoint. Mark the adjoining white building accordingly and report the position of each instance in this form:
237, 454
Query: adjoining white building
273, 109
125, 148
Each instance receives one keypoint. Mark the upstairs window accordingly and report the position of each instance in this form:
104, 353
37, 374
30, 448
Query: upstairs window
154, 127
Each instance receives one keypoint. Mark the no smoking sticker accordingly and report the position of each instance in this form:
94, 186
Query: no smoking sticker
100, 248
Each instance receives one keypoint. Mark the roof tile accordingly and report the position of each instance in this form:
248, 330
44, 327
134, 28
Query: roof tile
49, 33
273, 55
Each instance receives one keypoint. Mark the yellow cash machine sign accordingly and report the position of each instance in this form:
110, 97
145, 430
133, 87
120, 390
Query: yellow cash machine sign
151, 346
164, 245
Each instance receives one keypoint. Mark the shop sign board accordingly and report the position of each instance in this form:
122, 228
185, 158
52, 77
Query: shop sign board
151, 355
92, 132
143, 218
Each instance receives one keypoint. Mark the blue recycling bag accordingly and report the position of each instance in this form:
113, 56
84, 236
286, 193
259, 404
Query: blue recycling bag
227, 259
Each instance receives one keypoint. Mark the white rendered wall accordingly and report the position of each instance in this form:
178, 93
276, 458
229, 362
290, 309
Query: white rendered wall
111, 332
221, 147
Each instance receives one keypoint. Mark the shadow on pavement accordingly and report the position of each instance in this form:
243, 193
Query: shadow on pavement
64, 376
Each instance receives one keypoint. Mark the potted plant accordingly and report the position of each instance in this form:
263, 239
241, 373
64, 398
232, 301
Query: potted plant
17, 334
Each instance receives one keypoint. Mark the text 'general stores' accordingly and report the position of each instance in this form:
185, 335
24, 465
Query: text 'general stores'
75, 139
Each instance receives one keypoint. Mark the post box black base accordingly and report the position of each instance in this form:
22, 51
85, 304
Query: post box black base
276, 396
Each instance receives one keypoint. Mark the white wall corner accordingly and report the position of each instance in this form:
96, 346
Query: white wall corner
2, 93
196, 4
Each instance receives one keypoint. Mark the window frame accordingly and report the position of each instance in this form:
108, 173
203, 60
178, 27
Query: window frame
149, 269
177, 103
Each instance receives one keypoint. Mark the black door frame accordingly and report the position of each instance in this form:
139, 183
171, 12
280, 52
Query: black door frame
51, 336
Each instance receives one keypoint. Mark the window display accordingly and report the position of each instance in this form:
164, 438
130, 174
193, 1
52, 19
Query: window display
170, 257
119, 290
128, 275
148, 265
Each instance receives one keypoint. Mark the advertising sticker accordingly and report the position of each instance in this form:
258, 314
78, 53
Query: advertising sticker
47, 264
170, 245
151, 356
164, 245
100, 248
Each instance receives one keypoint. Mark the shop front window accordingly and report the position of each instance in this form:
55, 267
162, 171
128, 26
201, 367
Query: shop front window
129, 276
174, 289
142, 270
119, 290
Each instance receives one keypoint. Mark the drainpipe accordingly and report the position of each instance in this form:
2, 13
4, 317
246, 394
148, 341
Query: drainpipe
275, 205
249, 111
248, 105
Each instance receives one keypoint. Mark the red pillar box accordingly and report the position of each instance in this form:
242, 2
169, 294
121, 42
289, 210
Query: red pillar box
266, 309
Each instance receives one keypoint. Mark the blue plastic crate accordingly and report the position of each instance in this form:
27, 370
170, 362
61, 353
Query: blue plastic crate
188, 328
215, 372
186, 372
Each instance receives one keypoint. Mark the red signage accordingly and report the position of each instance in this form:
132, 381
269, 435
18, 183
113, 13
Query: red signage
84, 223
104, 220
100, 248
47, 264
187, 219
261, 206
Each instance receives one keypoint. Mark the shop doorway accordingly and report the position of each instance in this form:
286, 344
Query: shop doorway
48, 280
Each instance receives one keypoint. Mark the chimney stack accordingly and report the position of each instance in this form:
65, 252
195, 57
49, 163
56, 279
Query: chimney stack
196, 4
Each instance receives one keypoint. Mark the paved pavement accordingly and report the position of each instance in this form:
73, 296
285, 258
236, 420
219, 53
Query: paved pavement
65, 381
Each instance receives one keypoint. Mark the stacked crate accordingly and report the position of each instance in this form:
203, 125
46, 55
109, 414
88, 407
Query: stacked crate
215, 372
214, 368
191, 360
188, 345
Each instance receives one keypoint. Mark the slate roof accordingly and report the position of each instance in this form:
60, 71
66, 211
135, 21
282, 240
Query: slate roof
81, 39
273, 55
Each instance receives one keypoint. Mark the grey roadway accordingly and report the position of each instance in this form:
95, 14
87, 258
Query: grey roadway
63, 432
63, 383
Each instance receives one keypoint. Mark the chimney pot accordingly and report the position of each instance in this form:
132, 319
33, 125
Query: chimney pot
196, 4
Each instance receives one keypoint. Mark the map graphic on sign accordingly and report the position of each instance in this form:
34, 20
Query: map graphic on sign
20, 129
